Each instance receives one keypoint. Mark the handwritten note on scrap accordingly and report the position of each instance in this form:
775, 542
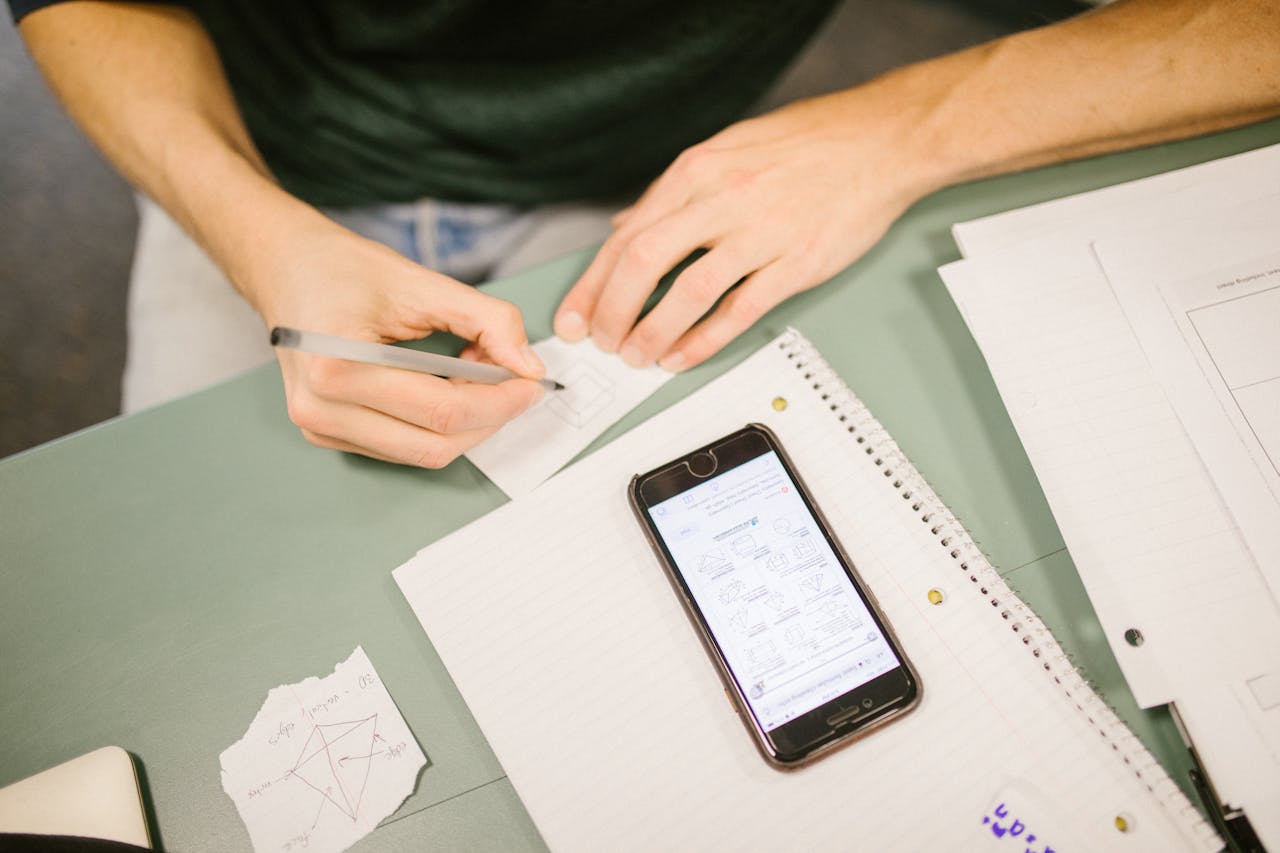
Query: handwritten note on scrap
323, 762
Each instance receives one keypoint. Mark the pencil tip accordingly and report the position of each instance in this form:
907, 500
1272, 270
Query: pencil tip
275, 336
559, 387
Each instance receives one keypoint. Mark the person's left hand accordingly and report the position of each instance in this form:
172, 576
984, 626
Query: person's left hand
780, 203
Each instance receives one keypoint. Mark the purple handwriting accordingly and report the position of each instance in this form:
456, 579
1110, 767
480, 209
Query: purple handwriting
1003, 827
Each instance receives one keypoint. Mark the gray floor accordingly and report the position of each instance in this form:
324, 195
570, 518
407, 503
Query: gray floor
67, 221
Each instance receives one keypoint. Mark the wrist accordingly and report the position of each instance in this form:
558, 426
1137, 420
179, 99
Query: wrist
945, 135
902, 120
259, 249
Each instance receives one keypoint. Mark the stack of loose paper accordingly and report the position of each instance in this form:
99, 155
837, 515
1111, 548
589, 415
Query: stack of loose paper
1134, 334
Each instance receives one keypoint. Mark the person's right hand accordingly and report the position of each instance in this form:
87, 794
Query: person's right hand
331, 280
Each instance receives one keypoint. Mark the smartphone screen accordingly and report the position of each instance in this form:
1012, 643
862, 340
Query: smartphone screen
802, 642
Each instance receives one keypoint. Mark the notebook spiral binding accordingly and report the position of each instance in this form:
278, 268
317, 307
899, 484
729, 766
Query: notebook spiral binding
972, 565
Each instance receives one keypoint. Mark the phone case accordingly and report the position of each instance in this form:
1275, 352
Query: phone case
731, 687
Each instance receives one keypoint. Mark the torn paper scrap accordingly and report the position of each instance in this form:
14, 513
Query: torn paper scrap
323, 762
599, 389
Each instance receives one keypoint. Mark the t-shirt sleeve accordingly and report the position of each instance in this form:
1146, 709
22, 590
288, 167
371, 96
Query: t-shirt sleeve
19, 9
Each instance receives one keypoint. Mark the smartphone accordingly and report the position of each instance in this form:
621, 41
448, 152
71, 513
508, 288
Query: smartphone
806, 656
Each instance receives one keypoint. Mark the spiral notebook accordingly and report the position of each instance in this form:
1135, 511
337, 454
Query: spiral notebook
580, 666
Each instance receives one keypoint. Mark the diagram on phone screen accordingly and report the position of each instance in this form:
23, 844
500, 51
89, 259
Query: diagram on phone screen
782, 610
731, 591
714, 562
762, 652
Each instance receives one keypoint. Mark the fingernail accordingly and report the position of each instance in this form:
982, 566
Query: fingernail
570, 326
673, 362
532, 363
631, 355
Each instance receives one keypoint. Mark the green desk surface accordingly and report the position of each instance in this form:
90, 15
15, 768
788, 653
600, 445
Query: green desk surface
159, 573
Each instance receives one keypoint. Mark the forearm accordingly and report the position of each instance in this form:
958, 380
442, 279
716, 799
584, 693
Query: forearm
145, 84
782, 202
1134, 73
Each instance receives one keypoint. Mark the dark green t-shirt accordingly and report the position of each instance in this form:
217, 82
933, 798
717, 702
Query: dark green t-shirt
360, 101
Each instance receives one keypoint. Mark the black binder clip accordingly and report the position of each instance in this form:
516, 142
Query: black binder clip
1232, 823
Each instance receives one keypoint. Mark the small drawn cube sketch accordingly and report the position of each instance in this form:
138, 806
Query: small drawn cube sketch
586, 394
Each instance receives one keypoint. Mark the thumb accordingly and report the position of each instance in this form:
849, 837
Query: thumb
494, 325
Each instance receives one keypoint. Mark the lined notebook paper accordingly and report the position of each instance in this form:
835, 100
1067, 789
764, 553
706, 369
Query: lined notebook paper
581, 668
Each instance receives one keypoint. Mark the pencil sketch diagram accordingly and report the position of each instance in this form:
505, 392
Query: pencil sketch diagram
587, 392
324, 760
744, 544
812, 584
335, 762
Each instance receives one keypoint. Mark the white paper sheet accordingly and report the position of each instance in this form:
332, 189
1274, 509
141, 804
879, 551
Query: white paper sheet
599, 389
1077, 220
573, 653
1155, 544
323, 762
1204, 301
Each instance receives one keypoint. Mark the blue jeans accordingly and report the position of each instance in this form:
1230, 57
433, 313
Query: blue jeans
463, 241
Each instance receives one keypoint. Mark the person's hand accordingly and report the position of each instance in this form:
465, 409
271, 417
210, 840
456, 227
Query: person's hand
331, 280
781, 203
